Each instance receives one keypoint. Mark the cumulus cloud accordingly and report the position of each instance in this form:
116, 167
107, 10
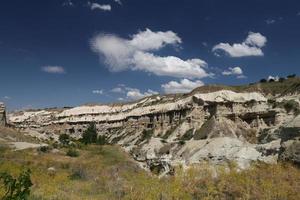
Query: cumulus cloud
6, 98
134, 94
68, 3
270, 21
117, 90
96, 6
233, 71
118, 1
136, 53
250, 47
184, 86
53, 69
237, 71
97, 91
131, 93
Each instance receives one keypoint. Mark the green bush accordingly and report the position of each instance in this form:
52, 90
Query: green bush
44, 149
188, 134
202, 133
72, 153
168, 133
181, 142
101, 140
16, 188
64, 139
78, 174
291, 105
89, 136
146, 135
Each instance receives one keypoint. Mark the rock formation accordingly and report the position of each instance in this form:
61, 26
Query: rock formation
164, 131
2, 114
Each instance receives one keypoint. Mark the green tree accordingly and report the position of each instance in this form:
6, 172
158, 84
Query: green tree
101, 140
64, 139
16, 188
89, 136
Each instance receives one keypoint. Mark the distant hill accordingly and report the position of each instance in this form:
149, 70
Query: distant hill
278, 88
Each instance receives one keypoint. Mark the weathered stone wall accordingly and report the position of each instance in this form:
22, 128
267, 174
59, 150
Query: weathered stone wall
2, 115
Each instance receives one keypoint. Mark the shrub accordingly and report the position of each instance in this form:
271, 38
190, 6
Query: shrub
168, 133
101, 140
78, 174
146, 135
64, 139
181, 142
291, 76
89, 136
263, 80
202, 133
188, 134
291, 105
44, 149
72, 153
16, 188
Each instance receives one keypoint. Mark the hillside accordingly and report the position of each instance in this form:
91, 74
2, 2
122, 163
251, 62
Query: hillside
279, 88
212, 123
217, 142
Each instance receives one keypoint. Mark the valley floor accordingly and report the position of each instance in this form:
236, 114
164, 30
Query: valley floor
106, 172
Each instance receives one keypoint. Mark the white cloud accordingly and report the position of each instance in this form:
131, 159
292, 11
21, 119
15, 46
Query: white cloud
6, 98
233, 71
68, 3
169, 66
117, 90
98, 91
118, 1
241, 76
136, 53
236, 71
53, 69
184, 86
134, 94
250, 47
270, 21
104, 7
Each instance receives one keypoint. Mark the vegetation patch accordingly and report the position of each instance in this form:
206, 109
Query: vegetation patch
288, 105
202, 133
16, 188
169, 132
146, 135
106, 172
72, 152
188, 135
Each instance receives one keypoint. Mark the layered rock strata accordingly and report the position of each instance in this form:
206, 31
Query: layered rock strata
165, 131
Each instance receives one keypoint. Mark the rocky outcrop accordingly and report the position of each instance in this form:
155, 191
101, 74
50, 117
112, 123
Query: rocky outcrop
163, 131
2, 114
290, 148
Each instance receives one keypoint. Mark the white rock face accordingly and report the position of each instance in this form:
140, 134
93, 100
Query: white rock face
227, 95
217, 127
2, 114
25, 145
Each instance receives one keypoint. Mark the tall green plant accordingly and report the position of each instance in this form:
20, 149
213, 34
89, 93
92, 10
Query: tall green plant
16, 188
89, 136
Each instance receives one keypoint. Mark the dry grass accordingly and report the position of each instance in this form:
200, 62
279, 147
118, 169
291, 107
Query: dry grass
108, 173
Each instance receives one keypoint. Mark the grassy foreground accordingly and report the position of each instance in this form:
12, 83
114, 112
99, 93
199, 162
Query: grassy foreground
106, 172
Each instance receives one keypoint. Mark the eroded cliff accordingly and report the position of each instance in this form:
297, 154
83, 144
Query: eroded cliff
164, 131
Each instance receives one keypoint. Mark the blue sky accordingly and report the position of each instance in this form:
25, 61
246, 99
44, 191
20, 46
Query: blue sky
67, 53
